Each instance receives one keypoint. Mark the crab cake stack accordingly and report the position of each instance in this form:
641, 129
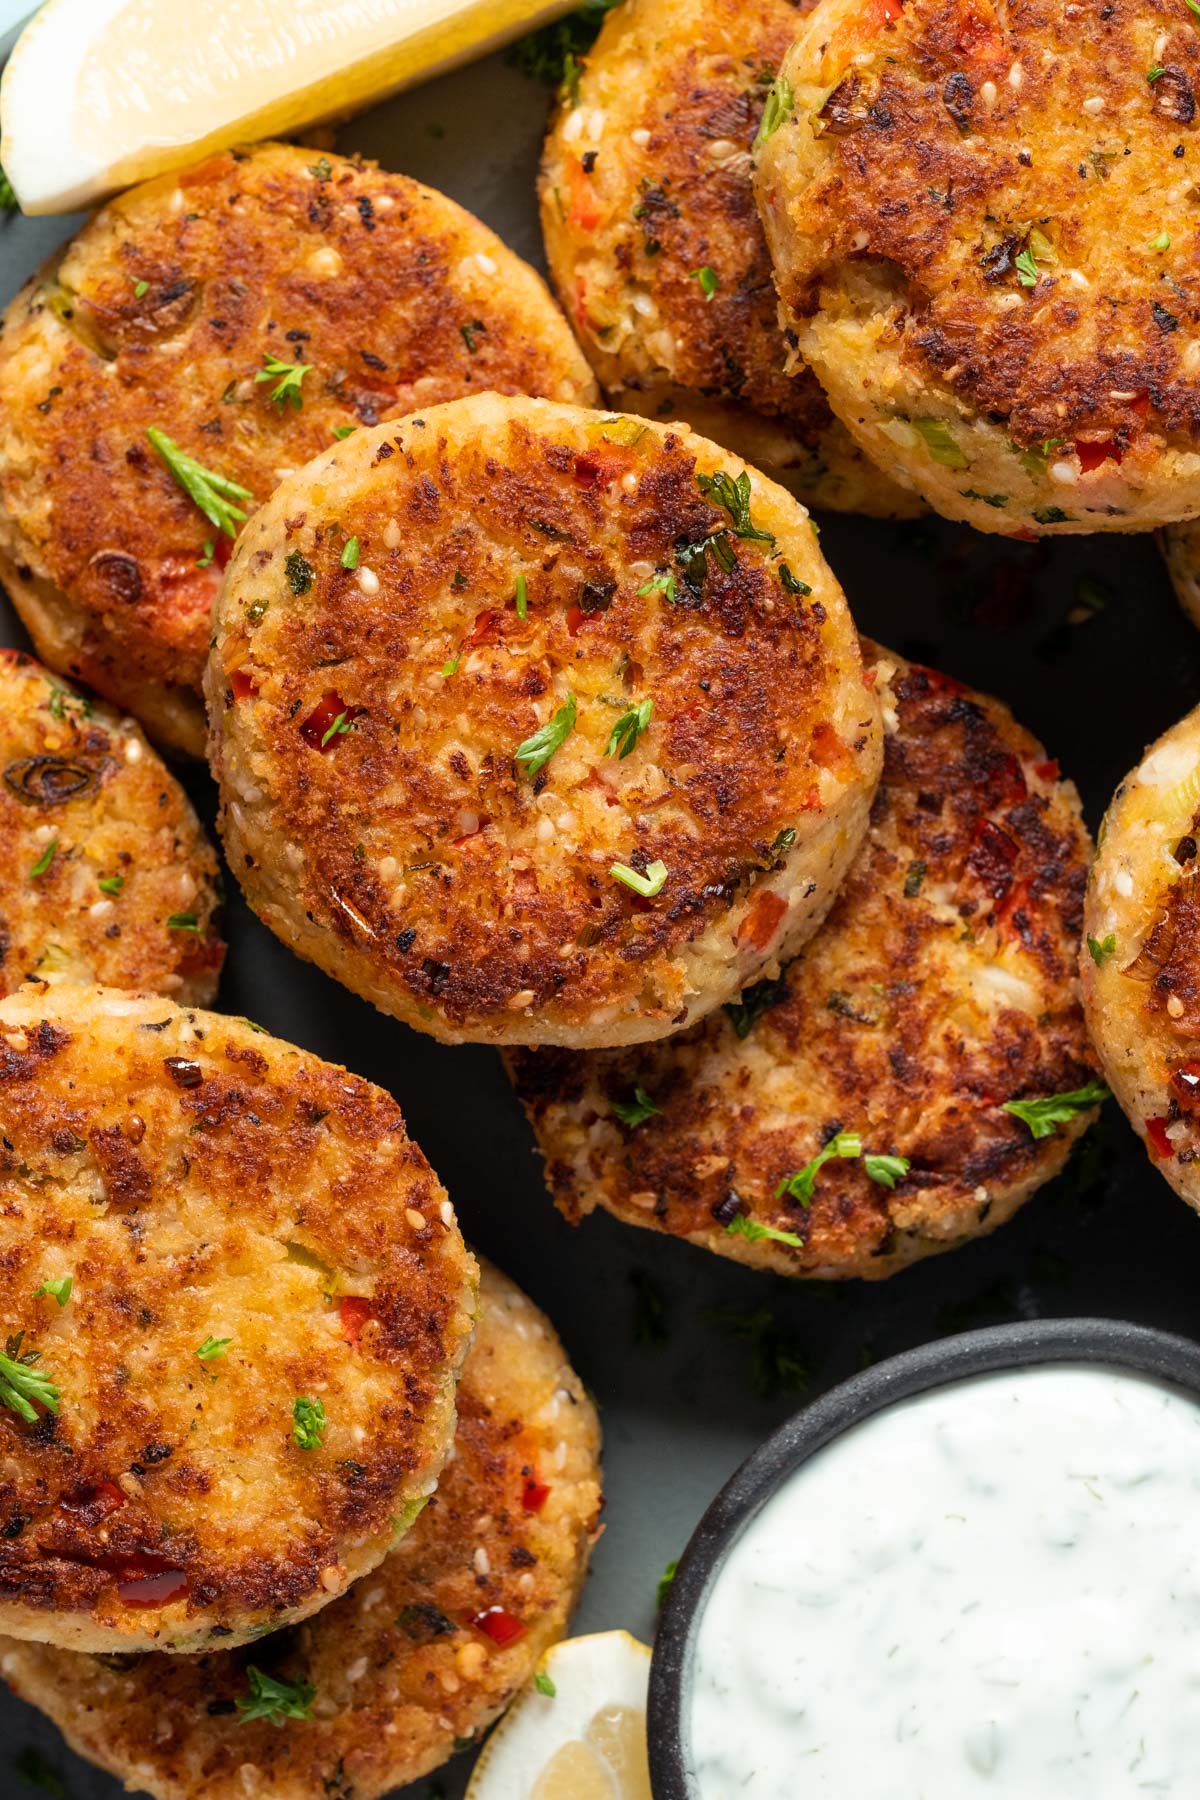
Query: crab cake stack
535, 725
235, 1301
204, 334
984, 228
1141, 967
105, 874
656, 249
386, 1683
911, 1078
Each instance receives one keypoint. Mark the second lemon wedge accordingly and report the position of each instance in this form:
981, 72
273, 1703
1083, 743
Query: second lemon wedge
99, 94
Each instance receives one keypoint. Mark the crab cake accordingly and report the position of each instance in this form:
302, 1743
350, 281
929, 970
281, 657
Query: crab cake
854, 1115
536, 725
391, 1678
656, 250
235, 1302
1180, 545
984, 232
251, 309
105, 874
1141, 967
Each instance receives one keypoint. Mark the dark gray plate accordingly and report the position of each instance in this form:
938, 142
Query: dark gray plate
1109, 1238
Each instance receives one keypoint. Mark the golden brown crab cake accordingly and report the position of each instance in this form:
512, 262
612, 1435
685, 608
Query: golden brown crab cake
235, 1302
656, 249
168, 312
984, 234
536, 725
423, 1654
1141, 965
105, 873
1180, 546
852, 1116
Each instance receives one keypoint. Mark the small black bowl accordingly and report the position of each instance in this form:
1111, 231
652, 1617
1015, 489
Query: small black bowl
1134, 1349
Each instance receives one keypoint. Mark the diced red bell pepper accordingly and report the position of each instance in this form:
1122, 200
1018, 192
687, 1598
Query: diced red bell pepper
1156, 1136
353, 1313
758, 927
534, 1494
499, 1625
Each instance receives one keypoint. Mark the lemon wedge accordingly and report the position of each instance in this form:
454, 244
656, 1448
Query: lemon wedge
577, 1732
99, 94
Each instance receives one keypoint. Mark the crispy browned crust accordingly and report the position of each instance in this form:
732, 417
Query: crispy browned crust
366, 276
401, 1674
1141, 985
645, 182
922, 152
83, 793
196, 1178
407, 852
941, 985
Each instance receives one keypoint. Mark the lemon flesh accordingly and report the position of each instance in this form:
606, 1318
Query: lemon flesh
586, 1741
99, 94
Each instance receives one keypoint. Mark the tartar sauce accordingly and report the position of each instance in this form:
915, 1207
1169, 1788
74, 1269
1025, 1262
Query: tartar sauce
992, 1589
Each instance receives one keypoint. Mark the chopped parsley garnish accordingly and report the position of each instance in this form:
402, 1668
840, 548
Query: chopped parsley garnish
522, 598
422, 1620
709, 280
1194, 5
212, 1348
754, 1233
470, 332
308, 1423
204, 560
21, 1385
350, 554
996, 500
1153, 73
1043, 1116
43, 862
664, 1582
780, 846
636, 1111
914, 878
344, 431
544, 1685
59, 1290
111, 884
273, 1699
450, 666
1025, 264
734, 496
660, 584
214, 494
790, 584
321, 171
1100, 948
1161, 242
299, 572
628, 729
339, 728
185, 921
536, 751
800, 1185
754, 1002
8, 198
647, 885
552, 53
141, 288
886, 1170
780, 104
287, 377
941, 443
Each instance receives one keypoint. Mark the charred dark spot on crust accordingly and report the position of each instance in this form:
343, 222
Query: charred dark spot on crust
52, 780
126, 1178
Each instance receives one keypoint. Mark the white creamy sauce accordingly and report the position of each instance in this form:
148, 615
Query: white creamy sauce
992, 1590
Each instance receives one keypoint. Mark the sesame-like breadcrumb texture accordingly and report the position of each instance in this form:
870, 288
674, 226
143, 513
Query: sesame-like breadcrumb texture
105, 873
656, 250
984, 230
162, 313
407, 615
1141, 962
941, 986
202, 1185
402, 1674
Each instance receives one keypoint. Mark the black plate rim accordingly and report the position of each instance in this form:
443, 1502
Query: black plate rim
1134, 1349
